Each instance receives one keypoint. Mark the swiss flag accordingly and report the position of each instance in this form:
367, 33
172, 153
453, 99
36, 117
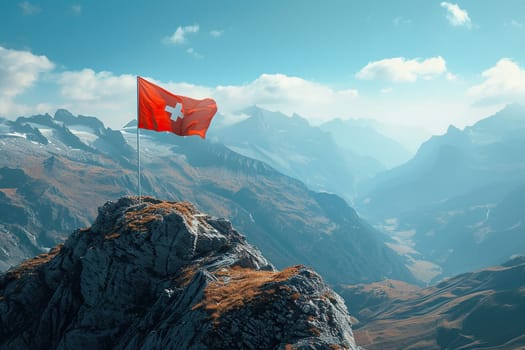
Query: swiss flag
160, 110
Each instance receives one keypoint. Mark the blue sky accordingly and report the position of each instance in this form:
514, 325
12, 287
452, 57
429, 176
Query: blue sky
418, 63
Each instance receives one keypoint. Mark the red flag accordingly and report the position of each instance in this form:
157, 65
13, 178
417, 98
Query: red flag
160, 110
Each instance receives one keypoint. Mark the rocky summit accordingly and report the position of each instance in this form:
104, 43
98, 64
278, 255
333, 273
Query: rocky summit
162, 275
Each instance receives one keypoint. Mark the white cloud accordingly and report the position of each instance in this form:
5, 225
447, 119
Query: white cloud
191, 51
77, 9
401, 21
87, 85
516, 24
456, 15
504, 83
386, 90
277, 92
451, 77
28, 8
110, 97
19, 71
216, 33
179, 36
399, 69
289, 95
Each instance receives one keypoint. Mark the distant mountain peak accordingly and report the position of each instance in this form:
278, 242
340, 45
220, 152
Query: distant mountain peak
63, 114
515, 261
44, 119
507, 120
131, 124
514, 107
453, 129
363, 138
69, 119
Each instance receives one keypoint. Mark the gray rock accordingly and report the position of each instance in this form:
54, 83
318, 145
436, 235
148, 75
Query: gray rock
161, 275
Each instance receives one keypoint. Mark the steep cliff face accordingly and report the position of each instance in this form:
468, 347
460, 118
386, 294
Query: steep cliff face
160, 275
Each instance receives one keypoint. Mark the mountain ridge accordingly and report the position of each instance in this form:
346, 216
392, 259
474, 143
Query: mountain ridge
361, 138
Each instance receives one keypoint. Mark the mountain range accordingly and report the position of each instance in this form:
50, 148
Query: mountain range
318, 156
458, 203
453, 164
364, 138
457, 206
55, 169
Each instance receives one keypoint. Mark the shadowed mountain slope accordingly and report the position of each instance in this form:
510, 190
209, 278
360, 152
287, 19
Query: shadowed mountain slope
477, 310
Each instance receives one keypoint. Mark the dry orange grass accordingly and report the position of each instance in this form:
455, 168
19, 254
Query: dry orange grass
398, 333
186, 275
315, 331
391, 289
237, 286
112, 236
28, 266
13, 196
296, 295
186, 209
137, 220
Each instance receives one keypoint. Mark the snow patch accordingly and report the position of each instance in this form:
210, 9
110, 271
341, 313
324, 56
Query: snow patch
5, 251
16, 134
47, 132
86, 134
147, 145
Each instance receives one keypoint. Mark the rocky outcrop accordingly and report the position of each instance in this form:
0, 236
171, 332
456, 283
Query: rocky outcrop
161, 275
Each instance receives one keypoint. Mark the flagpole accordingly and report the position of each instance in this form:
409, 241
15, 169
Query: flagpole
138, 146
